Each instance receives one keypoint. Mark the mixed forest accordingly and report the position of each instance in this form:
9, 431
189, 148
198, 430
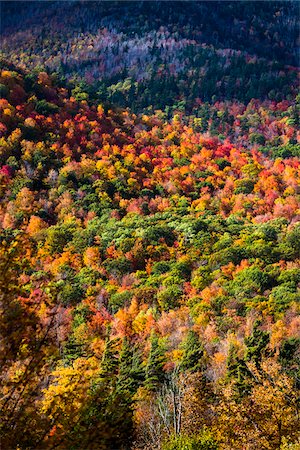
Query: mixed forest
149, 226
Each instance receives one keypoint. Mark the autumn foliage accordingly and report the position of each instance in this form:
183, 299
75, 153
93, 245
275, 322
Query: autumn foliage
149, 275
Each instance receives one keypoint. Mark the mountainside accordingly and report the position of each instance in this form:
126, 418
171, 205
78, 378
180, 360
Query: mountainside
149, 226
159, 54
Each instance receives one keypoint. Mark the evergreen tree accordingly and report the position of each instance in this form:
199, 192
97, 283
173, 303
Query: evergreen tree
72, 350
289, 358
156, 360
237, 370
131, 373
193, 353
256, 344
106, 420
109, 363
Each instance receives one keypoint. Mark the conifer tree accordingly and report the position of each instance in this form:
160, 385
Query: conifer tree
156, 360
256, 344
237, 370
131, 373
193, 353
106, 420
109, 363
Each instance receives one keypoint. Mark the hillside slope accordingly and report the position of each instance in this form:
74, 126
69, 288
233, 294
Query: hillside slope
159, 54
149, 226
142, 261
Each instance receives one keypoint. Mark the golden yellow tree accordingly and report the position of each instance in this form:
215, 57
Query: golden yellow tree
266, 417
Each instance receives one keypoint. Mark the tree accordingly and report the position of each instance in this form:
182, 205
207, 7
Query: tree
110, 358
27, 330
197, 403
200, 441
156, 361
237, 370
193, 353
256, 344
131, 372
264, 417
46, 108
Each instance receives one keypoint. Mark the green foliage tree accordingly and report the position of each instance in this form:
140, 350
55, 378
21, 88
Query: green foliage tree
131, 372
203, 441
237, 370
156, 361
193, 353
257, 344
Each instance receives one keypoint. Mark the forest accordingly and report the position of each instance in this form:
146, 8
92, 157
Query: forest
149, 226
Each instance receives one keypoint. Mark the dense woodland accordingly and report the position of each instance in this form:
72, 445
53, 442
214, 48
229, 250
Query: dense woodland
149, 226
159, 55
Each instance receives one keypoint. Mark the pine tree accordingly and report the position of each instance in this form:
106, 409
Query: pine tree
156, 360
72, 350
237, 370
109, 363
131, 373
193, 353
106, 420
256, 344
